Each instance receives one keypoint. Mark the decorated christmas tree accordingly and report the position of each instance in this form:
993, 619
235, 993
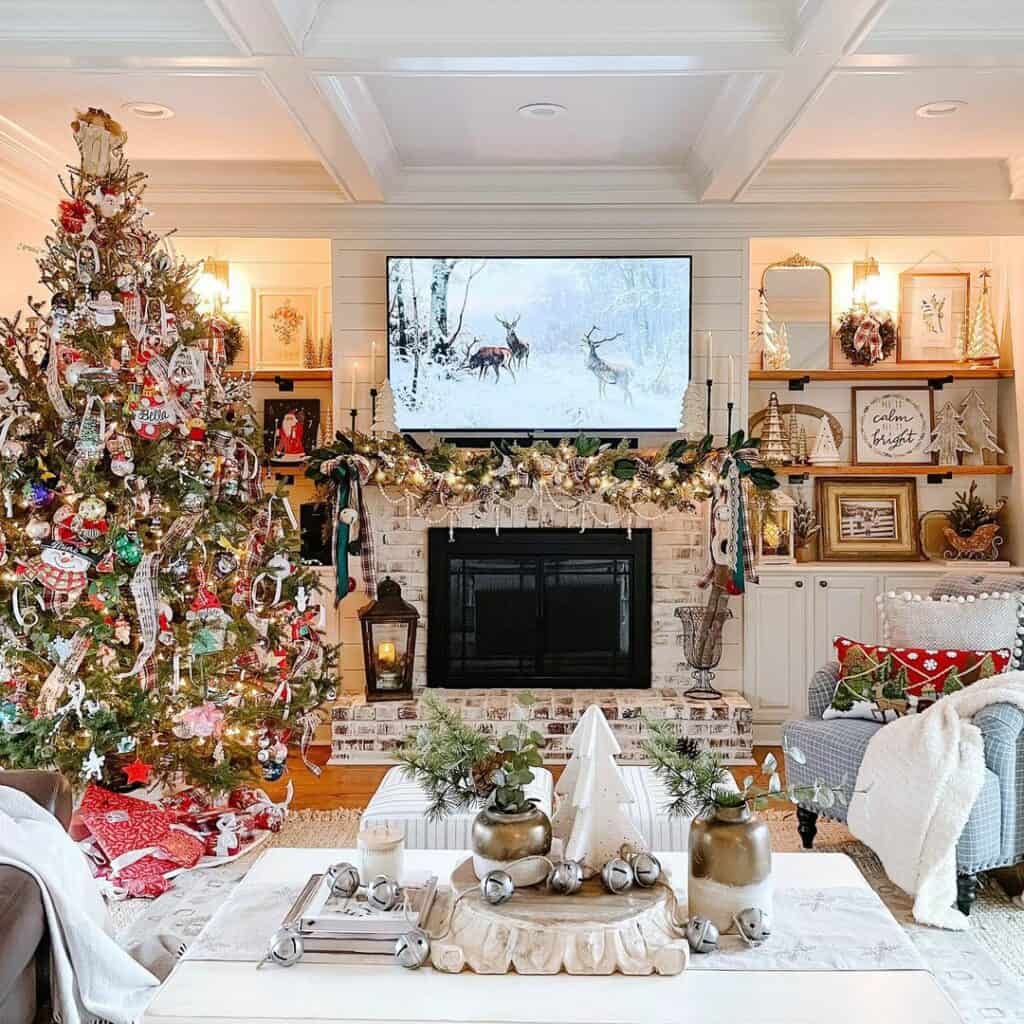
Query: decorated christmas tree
982, 344
978, 432
949, 437
154, 620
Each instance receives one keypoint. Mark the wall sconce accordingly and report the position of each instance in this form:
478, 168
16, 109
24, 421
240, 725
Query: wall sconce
214, 284
867, 282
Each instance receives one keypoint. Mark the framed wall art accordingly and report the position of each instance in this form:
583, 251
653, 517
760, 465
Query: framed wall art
892, 425
290, 429
933, 316
870, 518
285, 327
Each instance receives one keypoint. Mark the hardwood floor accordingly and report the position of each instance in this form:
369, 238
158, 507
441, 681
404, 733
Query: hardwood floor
353, 785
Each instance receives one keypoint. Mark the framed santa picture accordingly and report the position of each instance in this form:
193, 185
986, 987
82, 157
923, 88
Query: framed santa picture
290, 429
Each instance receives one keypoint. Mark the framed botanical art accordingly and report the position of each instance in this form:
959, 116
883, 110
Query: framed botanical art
872, 518
285, 327
892, 425
933, 316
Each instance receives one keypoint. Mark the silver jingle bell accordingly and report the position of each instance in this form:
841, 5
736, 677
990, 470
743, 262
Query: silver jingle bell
617, 876
646, 869
412, 950
497, 887
702, 935
344, 879
285, 947
753, 924
565, 878
383, 893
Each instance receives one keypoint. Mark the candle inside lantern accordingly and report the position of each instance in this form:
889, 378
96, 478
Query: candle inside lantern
387, 658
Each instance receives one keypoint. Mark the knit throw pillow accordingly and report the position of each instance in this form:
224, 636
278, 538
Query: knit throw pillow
984, 622
881, 683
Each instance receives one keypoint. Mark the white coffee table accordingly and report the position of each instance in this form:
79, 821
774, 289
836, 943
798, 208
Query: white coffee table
208, 992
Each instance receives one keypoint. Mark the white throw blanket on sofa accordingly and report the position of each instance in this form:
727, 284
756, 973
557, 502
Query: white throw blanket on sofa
94, 979
915, 789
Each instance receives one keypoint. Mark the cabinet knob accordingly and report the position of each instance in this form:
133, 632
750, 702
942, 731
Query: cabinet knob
823, 583
798, 584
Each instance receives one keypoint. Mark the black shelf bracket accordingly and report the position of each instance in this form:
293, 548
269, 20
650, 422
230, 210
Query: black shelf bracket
284, 383
798, 383
937, 478
936, 383
288, 479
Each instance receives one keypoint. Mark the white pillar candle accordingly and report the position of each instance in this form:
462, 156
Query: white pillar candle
381, 852
355, 378
711, 356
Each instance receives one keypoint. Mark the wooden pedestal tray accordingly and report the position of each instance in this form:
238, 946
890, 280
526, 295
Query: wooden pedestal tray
536, 932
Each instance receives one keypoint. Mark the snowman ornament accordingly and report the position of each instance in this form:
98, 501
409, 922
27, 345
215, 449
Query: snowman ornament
62, 571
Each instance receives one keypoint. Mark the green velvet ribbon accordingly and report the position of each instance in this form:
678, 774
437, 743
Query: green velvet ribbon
342, 474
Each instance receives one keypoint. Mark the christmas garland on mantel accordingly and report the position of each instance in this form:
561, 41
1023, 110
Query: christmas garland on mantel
574, 476
673, 479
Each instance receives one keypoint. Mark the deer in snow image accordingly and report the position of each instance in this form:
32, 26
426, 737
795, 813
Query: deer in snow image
490, 357
606, 373
520, 349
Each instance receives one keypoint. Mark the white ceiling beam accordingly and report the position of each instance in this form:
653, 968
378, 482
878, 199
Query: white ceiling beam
830, 29
263, 33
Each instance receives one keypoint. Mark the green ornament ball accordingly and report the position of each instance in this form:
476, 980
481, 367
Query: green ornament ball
128, 549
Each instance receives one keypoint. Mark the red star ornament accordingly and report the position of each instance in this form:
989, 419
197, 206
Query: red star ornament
137, 771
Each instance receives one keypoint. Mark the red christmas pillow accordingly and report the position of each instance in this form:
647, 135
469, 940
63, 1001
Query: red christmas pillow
882, 683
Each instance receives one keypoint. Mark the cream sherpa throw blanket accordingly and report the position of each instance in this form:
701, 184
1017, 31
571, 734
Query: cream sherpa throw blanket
915, 789
94, 979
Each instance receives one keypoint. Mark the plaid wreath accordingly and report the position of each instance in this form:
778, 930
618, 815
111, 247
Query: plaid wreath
866, 337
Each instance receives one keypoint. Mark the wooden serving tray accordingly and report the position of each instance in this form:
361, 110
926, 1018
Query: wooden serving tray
591, 932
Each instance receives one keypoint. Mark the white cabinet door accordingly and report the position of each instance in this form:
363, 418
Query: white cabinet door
775, 657
843, 605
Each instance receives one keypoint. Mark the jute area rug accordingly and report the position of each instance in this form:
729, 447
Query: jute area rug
973, 966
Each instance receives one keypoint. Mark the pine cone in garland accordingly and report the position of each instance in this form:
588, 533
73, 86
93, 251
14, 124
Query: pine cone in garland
646, 474
688, 747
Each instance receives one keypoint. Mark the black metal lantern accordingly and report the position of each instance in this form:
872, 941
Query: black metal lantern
389, 643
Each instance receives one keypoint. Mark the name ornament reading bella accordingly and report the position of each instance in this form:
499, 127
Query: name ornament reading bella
892, 426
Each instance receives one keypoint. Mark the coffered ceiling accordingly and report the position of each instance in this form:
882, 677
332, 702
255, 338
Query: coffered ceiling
408, 101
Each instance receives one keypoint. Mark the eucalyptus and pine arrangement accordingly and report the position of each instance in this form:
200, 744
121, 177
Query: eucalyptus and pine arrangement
729, 847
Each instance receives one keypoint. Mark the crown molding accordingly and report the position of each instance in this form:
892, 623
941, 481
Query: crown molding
198, 182
867, 181
1015, 171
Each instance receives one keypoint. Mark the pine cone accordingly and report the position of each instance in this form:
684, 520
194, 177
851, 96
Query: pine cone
645, 473
481, 773
688, 747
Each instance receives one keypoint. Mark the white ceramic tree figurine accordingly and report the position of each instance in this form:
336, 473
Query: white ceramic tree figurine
384, 421
825, 451
694, 413
601, 825
949, 437
579, 743
978, 431
763, 335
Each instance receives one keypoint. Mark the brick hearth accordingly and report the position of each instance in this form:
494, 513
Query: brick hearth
369, 733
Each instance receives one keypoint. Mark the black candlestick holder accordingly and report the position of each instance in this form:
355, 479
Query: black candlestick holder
729, 406
709, 383
373, 408
353, 413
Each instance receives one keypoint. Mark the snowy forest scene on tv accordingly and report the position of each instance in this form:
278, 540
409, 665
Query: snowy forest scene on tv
545, 344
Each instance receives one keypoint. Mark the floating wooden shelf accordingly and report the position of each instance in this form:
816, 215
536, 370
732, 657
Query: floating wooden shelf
322, 373
907, 469
920, 371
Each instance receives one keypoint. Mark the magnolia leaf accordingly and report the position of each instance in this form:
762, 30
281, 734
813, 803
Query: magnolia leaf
748, 782
775, 783
508, 742
795, 754
769, 764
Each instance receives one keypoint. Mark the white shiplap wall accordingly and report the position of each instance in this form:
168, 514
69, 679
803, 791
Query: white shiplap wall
719, 304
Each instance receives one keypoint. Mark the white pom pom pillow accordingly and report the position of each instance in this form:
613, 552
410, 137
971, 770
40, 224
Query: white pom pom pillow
982, 622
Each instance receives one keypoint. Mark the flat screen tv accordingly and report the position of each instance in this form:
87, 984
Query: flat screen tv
505, 344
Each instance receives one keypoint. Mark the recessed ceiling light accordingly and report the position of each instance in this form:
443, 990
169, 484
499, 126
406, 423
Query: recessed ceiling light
542, 111
149, 111
940, 108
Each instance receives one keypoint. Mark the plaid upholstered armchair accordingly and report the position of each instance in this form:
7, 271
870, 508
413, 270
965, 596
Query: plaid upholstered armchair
994, 835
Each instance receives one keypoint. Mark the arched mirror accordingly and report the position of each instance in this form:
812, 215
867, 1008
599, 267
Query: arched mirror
799, 296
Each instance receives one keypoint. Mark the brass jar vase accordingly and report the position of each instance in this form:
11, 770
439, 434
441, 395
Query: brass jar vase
498, 839
730, 865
